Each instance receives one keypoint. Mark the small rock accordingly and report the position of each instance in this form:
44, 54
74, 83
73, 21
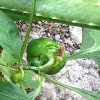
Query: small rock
57, 37
71, 28
48, 34
76, 34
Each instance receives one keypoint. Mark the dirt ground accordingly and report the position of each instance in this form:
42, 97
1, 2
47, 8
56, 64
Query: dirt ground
81, 73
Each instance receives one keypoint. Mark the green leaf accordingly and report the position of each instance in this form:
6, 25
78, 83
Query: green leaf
30, 79
34, 94
90, 47
87, 94
9, 59
7, 73
4, 69
92, 1
86, 13
9, 91
87, 40
9, 39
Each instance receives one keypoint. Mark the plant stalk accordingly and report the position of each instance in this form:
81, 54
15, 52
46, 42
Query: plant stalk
21, 85
56, 82
28, 30
10, 68
87, 94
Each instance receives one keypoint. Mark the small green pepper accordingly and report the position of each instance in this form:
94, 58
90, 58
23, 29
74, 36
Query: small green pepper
18, 76
46, 54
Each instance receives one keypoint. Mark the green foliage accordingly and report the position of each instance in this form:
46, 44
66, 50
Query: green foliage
9, 91
43, 54
9, 39
11, 43
30, 79
90, 47
35, 93
6, 72
85, 12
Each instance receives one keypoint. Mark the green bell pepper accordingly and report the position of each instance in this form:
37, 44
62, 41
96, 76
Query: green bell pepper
46, 54
17, 76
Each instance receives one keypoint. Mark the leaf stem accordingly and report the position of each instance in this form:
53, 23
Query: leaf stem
29, 29
87, 94
56, 82
10, 68
22, 87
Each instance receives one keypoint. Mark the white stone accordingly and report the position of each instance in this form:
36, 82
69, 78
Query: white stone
76, 34
57, 37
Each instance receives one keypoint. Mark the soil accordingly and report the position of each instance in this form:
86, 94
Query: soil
80, 73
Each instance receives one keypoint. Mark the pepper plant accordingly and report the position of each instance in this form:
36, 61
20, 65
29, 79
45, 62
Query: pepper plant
44, 56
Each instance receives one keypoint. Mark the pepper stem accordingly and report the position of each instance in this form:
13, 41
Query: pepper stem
58, 60
49, 64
